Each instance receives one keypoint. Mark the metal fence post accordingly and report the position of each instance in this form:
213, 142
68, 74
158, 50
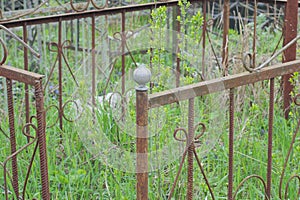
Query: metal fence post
142, 76
41, 129
290, 32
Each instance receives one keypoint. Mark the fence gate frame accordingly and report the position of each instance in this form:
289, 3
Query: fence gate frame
39, 140
189, 92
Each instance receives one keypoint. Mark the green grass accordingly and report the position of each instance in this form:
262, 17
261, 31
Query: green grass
76, 173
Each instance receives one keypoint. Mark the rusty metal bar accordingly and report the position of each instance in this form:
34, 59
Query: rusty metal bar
41, 134
106, 11
123, 40
87, 14
59, 57
142, 143
93, 61
26, 85
151, 49
170, 195
204, 37
33, 79
191, 149
253, 176
19, 40
225, 36
178, 27
254, 35
13, 145
215, 85
14, 14
231, 141
290, 32
19, 75
270, 136
287, 158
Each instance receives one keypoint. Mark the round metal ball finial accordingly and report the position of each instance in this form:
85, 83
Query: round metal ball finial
142, 75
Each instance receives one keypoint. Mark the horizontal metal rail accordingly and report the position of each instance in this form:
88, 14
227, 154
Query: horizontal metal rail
220, 84
95, 13
20, 75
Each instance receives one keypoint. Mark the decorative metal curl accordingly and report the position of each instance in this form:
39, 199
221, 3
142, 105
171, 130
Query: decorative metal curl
63, 112
203, 129
77, 108
248, 66
15, 154
251, 68
80, 10
287, 186
176, 133
196, 137
122, 37
55, 47
288, 156
297, 100
110, 98
100, 7
86, 6
27, 126
46, 110
5, 52
124, 102
210, 22
250, 177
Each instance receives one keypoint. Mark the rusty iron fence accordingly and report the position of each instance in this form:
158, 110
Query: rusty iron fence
190, 92
36, 139
77, 19
63, 52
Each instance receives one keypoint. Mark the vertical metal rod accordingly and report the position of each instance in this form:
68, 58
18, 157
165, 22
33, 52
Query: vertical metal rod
204, 5
72, 31
290, 32
41, 134
275, 12
26, 86
142, 143
13, 144
60, 74
77, 37
151, 49
178, 50
247, 12
226, 12
107, 53
254, 35
93, 62
191, 148
270, 136
174, 35
225, 36
123, 62
231, 141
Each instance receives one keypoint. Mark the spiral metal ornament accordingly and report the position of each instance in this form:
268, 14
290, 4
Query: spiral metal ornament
5, 52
